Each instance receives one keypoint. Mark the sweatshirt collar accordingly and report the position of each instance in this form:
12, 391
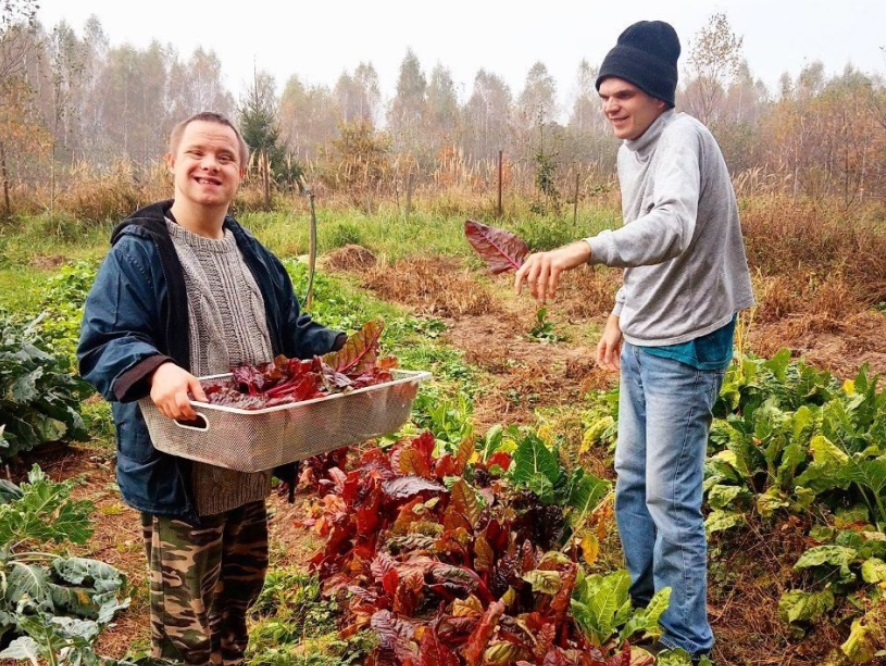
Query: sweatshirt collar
642, 144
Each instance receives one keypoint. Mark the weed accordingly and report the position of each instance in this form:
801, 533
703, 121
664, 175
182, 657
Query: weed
544, 329
449, 420
341, 234
291, 611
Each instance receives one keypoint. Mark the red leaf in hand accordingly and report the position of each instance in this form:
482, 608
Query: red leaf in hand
501, 250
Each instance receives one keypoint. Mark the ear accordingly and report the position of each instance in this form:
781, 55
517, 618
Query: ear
169, 158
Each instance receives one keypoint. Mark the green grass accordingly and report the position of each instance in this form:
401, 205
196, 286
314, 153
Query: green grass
26, 241
20, 287
293, 625
389, 234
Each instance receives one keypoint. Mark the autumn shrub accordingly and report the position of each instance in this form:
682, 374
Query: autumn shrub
92, 196
809, 243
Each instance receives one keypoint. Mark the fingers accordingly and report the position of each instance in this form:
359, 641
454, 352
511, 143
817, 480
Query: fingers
197, 390
540, 275
184, 411
553, 282
520, 277
609, 354
170, 386
615, 358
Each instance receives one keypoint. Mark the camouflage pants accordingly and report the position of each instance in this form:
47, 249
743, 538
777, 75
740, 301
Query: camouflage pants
203, 581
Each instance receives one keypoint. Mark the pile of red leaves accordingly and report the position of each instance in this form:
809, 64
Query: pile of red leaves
286, 380
445, 574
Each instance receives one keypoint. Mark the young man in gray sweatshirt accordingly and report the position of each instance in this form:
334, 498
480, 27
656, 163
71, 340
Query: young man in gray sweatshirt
672, 328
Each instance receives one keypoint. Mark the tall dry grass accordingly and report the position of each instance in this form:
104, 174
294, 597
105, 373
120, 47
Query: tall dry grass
814, 257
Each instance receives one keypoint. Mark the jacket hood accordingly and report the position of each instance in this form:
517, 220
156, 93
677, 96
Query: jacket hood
150, 219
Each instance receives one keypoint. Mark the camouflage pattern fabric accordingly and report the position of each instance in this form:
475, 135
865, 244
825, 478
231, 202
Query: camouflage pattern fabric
203, 581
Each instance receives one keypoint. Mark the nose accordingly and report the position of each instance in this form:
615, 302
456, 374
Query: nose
609, 105
209, 162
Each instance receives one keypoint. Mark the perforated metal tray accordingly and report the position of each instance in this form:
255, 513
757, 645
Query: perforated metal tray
257, 440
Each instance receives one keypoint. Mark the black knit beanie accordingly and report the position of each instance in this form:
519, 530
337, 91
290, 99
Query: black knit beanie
646, 55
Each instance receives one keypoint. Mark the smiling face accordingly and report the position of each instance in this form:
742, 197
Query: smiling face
629, 110
206, 165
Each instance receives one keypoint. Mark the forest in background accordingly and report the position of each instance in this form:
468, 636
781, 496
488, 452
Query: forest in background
79, 115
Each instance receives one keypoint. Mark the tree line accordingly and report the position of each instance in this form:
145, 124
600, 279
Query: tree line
70, 100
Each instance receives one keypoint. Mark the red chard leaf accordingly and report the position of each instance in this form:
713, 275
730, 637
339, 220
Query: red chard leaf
359, 353
405, 487
501, 250
413, 462
434, 653
479, 640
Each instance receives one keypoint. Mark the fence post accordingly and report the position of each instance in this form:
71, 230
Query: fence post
499, 182
575, 209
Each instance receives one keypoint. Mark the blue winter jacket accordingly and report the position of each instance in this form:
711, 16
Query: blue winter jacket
136, 318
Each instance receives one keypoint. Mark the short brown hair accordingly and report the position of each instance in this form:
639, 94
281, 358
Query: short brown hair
175, 136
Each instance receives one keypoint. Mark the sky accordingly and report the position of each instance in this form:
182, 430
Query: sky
319, 40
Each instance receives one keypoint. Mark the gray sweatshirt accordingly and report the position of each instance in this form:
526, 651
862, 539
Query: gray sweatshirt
686, 272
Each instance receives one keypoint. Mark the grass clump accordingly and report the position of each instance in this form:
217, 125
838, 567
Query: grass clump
293, 625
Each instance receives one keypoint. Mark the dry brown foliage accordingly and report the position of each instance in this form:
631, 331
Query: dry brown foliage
754, 568
93, 196
434, 286
825, 301
588, 293
812, 242
349, 258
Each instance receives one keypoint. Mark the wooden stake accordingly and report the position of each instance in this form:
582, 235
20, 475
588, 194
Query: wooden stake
500, 160
575, 209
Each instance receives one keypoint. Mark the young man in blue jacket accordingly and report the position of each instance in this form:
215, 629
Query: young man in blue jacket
671, 331
184, 292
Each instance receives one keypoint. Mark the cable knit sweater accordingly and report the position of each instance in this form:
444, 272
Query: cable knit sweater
227, 327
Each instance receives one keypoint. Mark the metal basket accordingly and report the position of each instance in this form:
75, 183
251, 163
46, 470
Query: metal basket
261, 439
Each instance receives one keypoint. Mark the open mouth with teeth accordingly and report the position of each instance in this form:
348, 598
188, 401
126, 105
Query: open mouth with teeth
207, 181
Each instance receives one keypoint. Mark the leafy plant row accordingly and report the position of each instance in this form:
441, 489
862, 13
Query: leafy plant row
40, 397
790, 440
52, 608
472, 557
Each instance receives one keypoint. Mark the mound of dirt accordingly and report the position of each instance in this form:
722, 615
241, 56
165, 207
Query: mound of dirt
350, 258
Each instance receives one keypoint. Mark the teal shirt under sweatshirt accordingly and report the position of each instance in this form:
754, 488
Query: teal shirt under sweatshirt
710, 352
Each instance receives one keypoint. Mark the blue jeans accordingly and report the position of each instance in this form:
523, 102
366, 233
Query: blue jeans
663, 426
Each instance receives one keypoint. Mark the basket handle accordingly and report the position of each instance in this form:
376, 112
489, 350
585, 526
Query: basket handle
200, 424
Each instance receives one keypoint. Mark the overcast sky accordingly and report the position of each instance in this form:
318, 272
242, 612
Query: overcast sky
319, 40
